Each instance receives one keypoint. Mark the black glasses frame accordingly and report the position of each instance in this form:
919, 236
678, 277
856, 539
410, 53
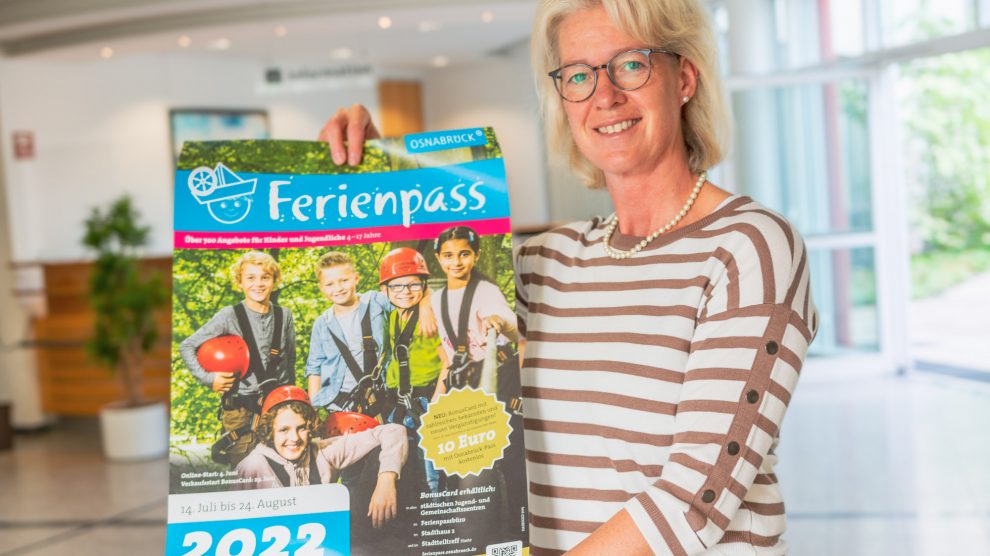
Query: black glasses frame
557, 80
414, 287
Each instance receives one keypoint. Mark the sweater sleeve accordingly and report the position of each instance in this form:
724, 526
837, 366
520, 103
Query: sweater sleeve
522, 301
219, 325
745, 357
350, 448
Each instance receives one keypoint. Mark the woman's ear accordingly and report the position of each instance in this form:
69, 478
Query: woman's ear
688, 78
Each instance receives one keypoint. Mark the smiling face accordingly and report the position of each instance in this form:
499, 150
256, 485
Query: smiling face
457, 259
339, 284
290, 434
624, 133
400, 294
256, 283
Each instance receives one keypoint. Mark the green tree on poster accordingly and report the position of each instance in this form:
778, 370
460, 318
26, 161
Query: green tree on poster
202, 285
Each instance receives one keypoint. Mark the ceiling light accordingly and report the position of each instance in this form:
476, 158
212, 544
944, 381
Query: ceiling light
428, 26
106, 53
487, 16
384, 22
184, 41
342, 53
220, 44
441, 61
281, 31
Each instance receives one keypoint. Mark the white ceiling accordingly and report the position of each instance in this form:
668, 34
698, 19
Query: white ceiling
421, 30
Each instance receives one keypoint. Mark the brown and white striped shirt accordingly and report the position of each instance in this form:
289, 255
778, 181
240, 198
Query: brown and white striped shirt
658, 383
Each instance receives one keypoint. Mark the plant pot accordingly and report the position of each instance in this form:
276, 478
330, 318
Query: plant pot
134, 433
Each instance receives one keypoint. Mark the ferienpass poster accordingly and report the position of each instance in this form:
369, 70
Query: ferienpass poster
345, 366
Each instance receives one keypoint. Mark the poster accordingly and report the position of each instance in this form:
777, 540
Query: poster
345, 372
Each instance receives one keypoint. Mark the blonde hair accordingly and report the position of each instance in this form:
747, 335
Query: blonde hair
264, 260
331, 259
680, 26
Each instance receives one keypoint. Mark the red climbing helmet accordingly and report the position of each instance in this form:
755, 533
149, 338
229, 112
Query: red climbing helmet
340, 423
400, 262
285, 393
225, 354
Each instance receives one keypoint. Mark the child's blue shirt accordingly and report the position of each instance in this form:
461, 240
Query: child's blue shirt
325, 359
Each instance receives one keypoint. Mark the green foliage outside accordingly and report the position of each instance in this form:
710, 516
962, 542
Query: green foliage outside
936, 271
123, 299
948, 138
202, 285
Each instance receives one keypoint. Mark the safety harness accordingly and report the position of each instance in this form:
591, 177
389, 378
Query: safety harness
465, 372
283, 476
407, 411
369, 349
266, 375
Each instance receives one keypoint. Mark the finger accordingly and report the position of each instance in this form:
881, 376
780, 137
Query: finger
358, 121
333, 134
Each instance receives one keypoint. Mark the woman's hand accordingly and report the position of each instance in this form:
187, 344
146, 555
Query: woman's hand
350, 126
383, 501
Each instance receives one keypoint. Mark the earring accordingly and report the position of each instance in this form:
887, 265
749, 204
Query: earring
685, 99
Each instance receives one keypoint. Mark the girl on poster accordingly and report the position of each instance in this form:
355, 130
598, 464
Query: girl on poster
289, 454
457, 250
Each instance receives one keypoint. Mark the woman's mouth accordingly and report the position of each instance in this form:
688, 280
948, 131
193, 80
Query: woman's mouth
618, 127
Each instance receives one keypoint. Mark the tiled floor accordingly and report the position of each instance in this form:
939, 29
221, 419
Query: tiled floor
58, 496
950, 329
877, 467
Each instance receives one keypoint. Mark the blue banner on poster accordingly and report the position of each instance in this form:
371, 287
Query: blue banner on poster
322, 534
219, 200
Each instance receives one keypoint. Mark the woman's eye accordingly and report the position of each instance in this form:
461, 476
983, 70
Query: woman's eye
578, 78
632, 66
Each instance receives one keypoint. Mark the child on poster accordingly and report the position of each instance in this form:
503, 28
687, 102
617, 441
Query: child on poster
457, 250
347, 340
416, 363
289, 455
268, 330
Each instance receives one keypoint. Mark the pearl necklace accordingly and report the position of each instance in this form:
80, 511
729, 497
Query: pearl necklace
619, 254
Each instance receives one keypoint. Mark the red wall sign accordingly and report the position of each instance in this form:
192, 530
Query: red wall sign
23, 145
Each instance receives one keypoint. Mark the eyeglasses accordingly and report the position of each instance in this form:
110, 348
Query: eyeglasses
415, 287
627, 70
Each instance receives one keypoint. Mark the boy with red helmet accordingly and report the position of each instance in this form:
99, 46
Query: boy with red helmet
417, 359
348, 340
244, 371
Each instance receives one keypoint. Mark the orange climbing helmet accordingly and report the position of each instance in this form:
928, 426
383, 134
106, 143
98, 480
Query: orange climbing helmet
403, 261
340, 423
225, 354
282, 394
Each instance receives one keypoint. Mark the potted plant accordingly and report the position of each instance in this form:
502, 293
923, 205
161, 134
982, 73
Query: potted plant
124, 299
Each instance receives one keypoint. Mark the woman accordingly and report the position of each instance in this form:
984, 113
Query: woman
663, 342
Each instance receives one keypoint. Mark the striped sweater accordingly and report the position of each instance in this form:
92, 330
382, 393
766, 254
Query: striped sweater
658, 383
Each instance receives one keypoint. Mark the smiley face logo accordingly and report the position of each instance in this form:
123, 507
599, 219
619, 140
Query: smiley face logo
227, 197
